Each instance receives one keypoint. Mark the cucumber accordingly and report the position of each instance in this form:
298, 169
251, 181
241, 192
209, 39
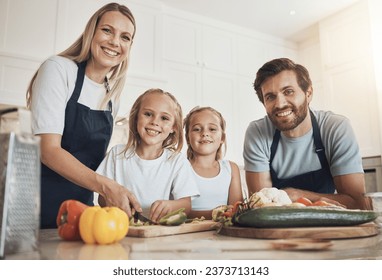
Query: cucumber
281, 217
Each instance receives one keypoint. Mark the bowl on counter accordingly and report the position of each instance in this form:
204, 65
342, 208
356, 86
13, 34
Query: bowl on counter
374, 202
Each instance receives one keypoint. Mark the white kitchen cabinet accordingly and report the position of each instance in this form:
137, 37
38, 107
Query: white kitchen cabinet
219, 90
15, 75
200, 67
196, 86
349, 80
24, 42
253, 52
250, 109
309, 55
185, 83
198, 44
21, 34
146, 51
218, 49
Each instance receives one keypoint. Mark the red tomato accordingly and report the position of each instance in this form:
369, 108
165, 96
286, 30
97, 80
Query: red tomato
305, 201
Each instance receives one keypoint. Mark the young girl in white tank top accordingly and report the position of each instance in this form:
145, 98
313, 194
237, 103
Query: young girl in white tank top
218, 179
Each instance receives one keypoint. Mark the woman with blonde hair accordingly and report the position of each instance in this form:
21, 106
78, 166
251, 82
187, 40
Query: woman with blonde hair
74, 97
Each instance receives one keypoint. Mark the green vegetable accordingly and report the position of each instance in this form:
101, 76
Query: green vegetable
174, 218
281, 217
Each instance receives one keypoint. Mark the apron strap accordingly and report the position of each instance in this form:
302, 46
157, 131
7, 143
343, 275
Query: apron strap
79, 81
275, 142
319, 147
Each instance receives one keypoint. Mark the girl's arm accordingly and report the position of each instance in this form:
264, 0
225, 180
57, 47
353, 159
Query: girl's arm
198, 214
235, 189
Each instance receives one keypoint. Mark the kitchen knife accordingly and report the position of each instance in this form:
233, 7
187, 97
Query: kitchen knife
142, 218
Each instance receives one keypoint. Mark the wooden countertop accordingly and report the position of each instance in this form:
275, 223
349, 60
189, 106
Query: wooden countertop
206, 245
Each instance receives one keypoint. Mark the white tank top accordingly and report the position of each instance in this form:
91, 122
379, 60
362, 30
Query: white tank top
213, 191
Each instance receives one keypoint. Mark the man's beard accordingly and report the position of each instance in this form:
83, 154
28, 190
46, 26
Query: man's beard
300, 114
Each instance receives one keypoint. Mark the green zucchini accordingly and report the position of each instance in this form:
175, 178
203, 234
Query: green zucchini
282, 217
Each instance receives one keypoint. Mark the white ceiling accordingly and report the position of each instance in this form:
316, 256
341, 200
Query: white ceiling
267, 16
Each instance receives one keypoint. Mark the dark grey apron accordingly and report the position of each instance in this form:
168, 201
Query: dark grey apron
320, 181
86, 136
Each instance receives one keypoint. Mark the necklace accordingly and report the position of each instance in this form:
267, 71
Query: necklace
106, 84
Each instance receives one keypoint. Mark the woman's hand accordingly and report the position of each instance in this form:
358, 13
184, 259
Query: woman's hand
65, 164
115, 194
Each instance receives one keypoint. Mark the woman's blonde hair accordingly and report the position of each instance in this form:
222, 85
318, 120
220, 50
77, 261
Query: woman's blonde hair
173, 142
187, 121
80, 51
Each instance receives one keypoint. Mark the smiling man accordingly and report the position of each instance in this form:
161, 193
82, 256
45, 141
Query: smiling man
312, 154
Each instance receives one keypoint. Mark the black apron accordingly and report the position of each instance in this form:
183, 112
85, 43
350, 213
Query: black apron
86, 136
319, 181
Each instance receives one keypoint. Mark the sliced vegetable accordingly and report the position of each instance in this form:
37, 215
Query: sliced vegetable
236, 206
217, 212
305, 201
103, 225
174, 218
68, 219
280, 217
322, 203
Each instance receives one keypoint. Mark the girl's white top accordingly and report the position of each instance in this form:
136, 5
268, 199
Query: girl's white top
213, 191
163, 178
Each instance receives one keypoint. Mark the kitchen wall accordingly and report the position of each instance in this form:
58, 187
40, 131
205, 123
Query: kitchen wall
182, 53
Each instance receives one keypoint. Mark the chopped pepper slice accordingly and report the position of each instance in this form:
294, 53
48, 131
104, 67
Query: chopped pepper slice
174, 218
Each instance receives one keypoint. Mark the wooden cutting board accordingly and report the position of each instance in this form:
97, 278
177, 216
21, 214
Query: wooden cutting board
364, 230
158, 230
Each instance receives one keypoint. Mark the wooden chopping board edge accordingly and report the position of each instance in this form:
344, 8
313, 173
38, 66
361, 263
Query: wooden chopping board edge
341, 232
158, 230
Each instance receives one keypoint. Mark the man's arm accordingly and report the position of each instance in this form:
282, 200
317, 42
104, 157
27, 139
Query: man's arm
257, 181
350, 189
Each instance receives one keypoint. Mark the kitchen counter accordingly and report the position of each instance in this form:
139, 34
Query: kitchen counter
206, 245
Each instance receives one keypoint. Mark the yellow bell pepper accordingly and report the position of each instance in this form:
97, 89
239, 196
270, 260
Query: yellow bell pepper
103, 225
